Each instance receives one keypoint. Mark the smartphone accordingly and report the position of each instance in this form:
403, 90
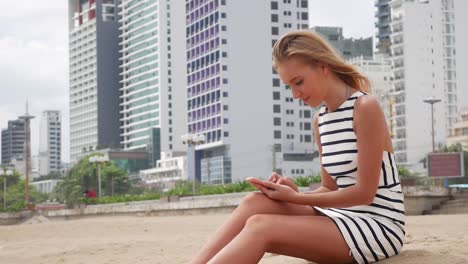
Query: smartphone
253, 180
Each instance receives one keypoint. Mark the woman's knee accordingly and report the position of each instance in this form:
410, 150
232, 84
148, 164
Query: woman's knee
259, 224
253, 199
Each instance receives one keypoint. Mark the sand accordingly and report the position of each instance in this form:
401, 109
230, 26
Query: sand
174, 239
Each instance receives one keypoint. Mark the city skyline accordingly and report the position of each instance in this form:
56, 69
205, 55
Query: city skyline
35, 59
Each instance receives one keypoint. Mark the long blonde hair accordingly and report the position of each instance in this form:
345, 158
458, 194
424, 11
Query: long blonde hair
312, 49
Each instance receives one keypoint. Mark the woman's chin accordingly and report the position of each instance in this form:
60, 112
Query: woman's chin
314, 104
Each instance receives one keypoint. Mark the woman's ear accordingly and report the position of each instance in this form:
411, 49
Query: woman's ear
325, 70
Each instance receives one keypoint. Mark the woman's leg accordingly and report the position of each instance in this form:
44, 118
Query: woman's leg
252, 204
314, 238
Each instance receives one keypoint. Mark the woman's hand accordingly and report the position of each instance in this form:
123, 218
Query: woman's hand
280, 192
283, 180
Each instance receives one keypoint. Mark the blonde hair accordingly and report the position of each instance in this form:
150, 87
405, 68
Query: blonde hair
312, 49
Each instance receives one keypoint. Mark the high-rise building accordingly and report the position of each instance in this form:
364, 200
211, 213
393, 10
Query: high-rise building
424, 57
251, 123
383, 19
94, 75
13, 139
379, 72
347, 47
50, 136
153, 105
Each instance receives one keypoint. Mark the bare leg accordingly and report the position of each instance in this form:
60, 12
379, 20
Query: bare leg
252, 204
314, 238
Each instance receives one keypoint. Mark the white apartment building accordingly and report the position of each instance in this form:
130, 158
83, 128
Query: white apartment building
172, 167
50, 137
93, 76
424, 59
251, 123
379, 72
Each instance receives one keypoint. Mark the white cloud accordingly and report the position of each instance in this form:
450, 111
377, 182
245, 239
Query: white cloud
34, 63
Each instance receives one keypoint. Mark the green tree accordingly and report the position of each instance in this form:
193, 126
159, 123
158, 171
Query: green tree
84, 176
404, 172
15, 199
115, 180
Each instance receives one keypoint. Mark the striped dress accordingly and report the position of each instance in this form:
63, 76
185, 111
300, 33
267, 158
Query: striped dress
376, 231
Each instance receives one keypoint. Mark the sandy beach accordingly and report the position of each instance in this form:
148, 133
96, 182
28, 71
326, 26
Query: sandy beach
174, 239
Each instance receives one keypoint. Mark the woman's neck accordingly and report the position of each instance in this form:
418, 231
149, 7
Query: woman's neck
338, 92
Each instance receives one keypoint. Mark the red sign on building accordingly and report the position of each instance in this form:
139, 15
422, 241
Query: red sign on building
446, 165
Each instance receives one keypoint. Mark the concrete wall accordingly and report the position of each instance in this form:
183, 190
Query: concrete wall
418, 200
422, 200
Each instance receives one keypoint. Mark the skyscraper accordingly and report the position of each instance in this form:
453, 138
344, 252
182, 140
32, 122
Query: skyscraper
383, 16
152, 96
251, 123
50, 136
94, 75
13, 141
424, 58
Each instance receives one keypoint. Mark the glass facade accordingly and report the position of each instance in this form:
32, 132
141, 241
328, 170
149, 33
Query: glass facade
203, 69
140, 69
215, 166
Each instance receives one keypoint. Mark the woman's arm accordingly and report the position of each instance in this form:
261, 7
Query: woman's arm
369, 125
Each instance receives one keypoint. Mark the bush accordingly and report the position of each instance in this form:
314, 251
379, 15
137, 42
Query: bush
15, 207
306, 181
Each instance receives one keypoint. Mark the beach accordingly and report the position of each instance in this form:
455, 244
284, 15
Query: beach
175, 239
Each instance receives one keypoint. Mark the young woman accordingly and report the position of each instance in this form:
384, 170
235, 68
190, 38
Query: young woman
357, 215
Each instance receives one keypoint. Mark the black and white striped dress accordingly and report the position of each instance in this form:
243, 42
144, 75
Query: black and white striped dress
376, 231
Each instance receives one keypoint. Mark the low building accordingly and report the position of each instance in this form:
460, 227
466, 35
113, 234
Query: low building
460, 131
45, 186
171, 168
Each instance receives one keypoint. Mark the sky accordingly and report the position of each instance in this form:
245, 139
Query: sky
34, 54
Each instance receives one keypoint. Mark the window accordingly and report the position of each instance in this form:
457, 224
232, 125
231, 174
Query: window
225, 67
276, 109
277, 121
274, 5
223, 2
224, 41
276, 96
306, 113
225, 81
307, 138
274, 18
223, 28
307, 126
225, 94
276, 82
226, 121
277, 134
226, 134
225, 107
274, 31
277, 147
223, 15
304, 16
